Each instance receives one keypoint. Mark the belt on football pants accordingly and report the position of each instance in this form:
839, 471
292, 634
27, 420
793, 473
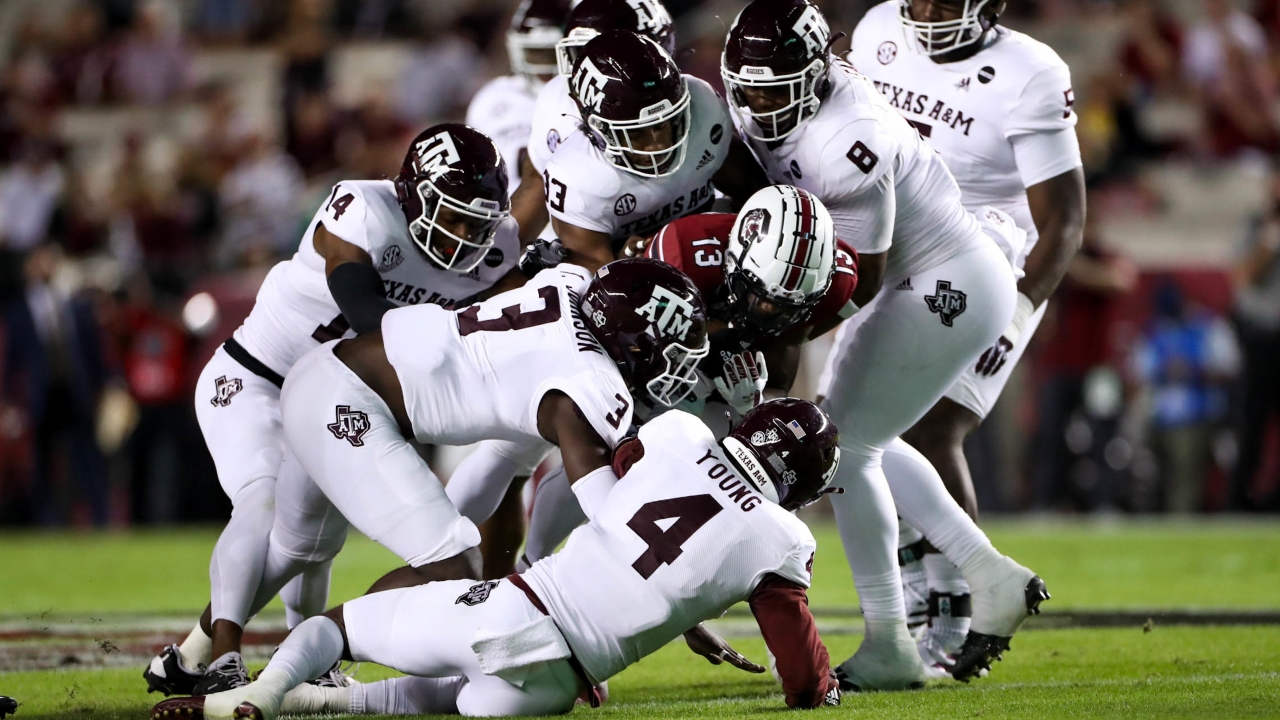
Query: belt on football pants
251, 363
593, 694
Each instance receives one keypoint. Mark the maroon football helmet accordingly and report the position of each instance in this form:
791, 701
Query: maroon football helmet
630, 92
589, 18
788, 448
650, 319
531, 40
775, 66
453, 191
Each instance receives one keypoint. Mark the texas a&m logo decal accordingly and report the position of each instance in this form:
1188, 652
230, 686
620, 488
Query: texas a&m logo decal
946, 302
477, 594
224, 390
350, 425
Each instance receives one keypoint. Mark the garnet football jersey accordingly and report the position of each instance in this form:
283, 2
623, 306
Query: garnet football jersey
503, 110
295, 311
985, 115
480, 373
857, 141
696, 245
586, 190
679, 540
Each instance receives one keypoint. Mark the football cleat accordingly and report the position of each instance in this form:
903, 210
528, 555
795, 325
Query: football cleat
7, 705
194, 708
937, 662
226, 673
337, 676
168, 675
886, 660
981, 649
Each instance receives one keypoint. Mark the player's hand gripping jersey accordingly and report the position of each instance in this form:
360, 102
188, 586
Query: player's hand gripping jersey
1001, 119
295, 310
586, 190
696, 245
680, 539
856, 143
480, 373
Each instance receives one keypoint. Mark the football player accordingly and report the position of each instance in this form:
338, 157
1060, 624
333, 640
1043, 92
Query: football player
948, 293
997, 106
439, 234
626, 584
503, 108
555, 116
653, 145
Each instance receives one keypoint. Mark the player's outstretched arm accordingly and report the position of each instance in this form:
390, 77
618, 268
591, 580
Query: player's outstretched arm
587, 248
1058, 210
781, 608
354, 282
585, 454
529, 203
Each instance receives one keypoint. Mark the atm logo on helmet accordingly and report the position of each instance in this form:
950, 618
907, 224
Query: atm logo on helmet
812, 28
669, 313
588, 84
436, 154
650, 15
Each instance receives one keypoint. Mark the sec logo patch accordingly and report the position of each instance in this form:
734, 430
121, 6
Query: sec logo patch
887, 53
553, 140
624, 205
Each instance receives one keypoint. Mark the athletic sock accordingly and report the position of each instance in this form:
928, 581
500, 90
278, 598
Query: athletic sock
868, 528
406, 696
311, 649
196, 650
307, 594
950, 605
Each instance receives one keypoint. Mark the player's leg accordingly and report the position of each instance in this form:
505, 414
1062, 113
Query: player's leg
940, 436
908, 347
239, 415
486, 488
555, 514
347, 441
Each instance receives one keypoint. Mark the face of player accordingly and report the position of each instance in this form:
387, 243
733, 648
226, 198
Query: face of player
457, 225
654, 139
767, 315
936, 10
764, 100
542, 57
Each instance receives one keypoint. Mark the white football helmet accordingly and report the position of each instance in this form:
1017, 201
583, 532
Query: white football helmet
939, 38
780, 259
531, 40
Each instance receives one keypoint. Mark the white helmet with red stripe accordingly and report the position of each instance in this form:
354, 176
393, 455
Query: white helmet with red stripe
780, 259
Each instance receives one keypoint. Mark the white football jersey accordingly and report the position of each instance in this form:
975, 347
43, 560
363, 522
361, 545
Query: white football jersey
294, 311
555, 118
975, 112
855, 141
503, 110
480, 373
586, 190
680, 539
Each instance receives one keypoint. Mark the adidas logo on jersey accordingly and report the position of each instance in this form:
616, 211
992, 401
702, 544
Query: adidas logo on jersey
905, 285
707, 156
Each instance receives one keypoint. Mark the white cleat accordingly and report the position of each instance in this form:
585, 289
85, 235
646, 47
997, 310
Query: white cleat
937, 663
310, 699
251, 702
1004, 595
886, 660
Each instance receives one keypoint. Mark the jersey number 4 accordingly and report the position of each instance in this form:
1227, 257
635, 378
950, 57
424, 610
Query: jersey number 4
665, 546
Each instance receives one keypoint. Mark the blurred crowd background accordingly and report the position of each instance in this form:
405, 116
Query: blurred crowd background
158, 156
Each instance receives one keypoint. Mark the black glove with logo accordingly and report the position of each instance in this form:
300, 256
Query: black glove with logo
540, 255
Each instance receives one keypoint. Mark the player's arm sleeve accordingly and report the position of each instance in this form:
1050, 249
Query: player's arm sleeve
781, 609
1041, 126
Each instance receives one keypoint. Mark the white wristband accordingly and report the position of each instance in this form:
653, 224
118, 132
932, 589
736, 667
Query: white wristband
592, 489
1022, 311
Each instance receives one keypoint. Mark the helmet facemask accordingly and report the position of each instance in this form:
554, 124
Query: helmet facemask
443, 246
802, 102
625, 140
678, 375
934, 39
759, 309
568, 47
534, 54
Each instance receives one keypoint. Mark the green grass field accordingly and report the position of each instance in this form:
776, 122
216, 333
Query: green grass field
94, 589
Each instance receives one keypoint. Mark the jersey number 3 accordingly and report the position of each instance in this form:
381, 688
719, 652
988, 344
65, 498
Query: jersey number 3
691, 513
512, 318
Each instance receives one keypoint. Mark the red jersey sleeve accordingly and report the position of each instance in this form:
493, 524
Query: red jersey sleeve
834, 306
781, 608
695, 245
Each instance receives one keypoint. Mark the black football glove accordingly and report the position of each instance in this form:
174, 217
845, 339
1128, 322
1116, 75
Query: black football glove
540, 255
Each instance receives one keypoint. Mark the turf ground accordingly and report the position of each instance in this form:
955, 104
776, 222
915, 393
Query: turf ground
79, 613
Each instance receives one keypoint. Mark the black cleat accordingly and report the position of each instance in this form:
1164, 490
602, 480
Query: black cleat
980, 650
168, 675
192, 708
226, 673
8, 705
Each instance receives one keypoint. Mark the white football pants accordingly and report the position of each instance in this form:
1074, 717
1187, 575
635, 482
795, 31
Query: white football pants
239, 416
353, 467
427, 631
895, 360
